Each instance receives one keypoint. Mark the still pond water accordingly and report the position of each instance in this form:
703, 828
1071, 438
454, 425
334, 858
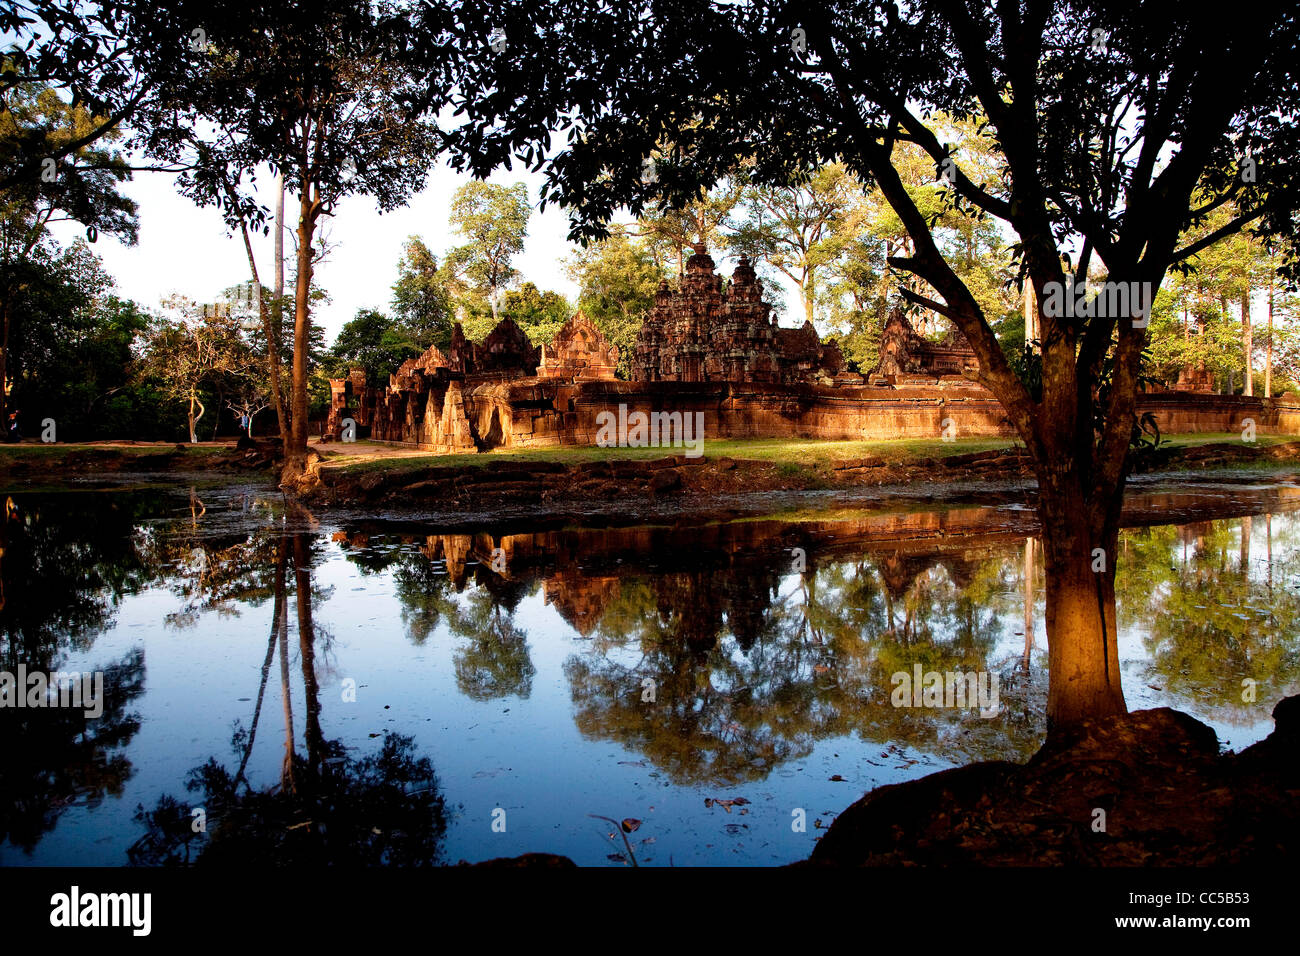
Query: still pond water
344, 688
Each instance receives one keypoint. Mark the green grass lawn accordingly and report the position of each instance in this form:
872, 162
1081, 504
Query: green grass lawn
792, 455
1213, 438
56, 450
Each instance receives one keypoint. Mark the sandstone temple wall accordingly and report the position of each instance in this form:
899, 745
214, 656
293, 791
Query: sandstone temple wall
1182, 411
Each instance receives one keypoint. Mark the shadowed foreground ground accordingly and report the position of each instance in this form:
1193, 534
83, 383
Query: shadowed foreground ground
1170, 799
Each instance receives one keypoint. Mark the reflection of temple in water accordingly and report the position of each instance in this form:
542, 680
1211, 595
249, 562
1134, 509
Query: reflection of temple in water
580, 600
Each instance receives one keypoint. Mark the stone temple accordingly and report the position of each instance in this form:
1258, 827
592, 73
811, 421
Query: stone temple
705, 333
709, 347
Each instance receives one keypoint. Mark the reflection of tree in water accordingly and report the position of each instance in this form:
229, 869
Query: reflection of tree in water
327, 807
424, 593
211, 569
56, 756
1217, 602
63, 568
815, 662
495, 661
61, 579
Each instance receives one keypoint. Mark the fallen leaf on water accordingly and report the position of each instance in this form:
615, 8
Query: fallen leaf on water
837, 778
630, 825
725, 804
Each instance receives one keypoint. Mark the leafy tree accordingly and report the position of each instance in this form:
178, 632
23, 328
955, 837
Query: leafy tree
102, 58
617, 280
800, 229
540, 314
194, 350
669, 231
495, 221
82, 186
421, 300
1110, 123
331, 98
371, 341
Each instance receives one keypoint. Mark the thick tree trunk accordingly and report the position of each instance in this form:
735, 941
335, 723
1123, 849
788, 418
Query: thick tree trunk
288, 779
1082, 638
1028, 583
266, 664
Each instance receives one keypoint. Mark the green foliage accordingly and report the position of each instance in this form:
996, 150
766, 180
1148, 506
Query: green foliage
494, 220
617, 281
108, 56
192, 351
80, 186
669, 231
371, 341
72, 357
802, 229
421, 300
540, 314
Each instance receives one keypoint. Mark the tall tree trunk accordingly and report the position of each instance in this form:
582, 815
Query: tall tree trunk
271, 318
288, 780
277, 391
7, 310
1080, 497
1268, 346
296, 453
280, 554
1247, 341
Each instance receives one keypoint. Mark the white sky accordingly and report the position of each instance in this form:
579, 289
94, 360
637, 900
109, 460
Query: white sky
187, 250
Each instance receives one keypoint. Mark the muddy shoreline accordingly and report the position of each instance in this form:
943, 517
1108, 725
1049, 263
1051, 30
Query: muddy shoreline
693, 483
547, 493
